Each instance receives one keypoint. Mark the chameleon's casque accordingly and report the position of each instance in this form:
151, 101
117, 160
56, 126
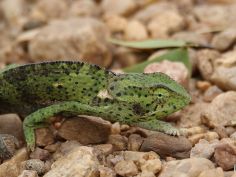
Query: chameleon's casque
41, 90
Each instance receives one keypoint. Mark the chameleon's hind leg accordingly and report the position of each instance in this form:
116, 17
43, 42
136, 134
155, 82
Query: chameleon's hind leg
38, 118
160, 126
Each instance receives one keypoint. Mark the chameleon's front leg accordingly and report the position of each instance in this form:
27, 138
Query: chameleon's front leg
157, 125
38, 118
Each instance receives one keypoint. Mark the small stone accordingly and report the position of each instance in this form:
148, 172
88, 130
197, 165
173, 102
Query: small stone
134, 142
205, 62
121, 7
224, 39
165, 23
84, 8
36, 165
212, 173
106, 149
12, 124
81, 161
48, 10
114, 159
221, 111
230, 130
8, 146
213, 15
233, 136
191, 167
209, 136
211, 93
153, 166
124, 127
146, 13
44, 137
52, 147
191, 115
65, 148
221, 131
106, 172
13, 10
224, 71
119, 142
39, 153
176, 70
140, 157
14, 164
116, 23
28, 173
225, 154
86, 130
192, 37
126, 168
135, 30
166, 145
115, 128
203, 149
203, 85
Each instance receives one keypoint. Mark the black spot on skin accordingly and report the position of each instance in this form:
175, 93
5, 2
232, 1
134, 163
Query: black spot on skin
112, 88
118, 94
60, 86
106, 100
76, 82
67, 72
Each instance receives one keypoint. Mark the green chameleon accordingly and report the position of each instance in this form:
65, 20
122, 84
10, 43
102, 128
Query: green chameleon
39, 91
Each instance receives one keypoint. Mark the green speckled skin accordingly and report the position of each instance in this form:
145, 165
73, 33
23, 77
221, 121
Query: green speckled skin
39, 91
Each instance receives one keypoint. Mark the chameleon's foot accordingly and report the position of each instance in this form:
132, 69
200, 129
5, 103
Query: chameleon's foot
160, 126
29, 137
172, 131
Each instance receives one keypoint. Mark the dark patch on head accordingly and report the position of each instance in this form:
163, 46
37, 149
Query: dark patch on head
138, 109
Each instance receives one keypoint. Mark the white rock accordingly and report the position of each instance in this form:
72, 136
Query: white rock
79, 162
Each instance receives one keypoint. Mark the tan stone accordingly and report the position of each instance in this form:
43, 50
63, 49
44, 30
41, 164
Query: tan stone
12, 167
135, 30
78, 163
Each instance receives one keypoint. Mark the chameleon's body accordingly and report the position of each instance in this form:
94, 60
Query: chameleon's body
42, 90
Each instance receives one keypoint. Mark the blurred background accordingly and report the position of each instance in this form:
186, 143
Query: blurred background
42, 30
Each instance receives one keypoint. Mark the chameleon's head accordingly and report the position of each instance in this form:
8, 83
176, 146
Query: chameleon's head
156, 93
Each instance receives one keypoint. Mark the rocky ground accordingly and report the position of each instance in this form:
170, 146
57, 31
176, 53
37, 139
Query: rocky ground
39, 30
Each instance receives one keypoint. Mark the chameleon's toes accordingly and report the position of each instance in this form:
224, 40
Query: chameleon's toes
30, 147
173, 132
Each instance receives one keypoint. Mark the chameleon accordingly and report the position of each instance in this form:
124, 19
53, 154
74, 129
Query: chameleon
38, 91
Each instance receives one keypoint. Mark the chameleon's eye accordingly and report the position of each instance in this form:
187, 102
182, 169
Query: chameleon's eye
161, 93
